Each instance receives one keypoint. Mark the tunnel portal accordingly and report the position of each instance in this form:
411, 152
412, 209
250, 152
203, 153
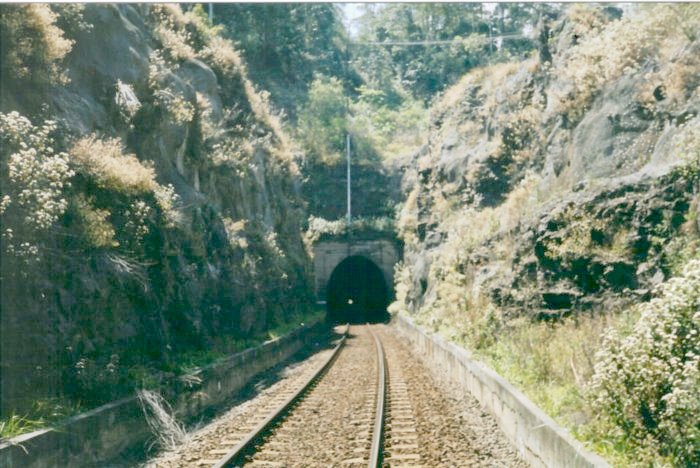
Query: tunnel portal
357, 292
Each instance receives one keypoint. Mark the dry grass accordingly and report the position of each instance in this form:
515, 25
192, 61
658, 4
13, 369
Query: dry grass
605, 52
235, 230
169, 434
175, 43
489, 80
188, 35
171, 12
105, 162
551, 363
408, 218
222, 55
455, 300
37, 44
170, 30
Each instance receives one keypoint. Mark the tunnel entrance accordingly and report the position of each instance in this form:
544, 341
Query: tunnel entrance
357, 292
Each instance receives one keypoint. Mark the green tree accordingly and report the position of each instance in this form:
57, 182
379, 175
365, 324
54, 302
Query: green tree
286, 45
429, 67
323, 120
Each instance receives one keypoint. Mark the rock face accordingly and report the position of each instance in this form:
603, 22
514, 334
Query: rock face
557, 185
226, 260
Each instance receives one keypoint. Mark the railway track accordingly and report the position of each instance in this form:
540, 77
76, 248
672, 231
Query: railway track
353, 407
254, 447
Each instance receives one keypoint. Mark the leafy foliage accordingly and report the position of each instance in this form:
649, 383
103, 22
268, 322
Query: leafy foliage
426, 69
285, 45
323, 122
393, 122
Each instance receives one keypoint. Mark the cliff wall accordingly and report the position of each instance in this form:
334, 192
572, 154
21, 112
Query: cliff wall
150, 199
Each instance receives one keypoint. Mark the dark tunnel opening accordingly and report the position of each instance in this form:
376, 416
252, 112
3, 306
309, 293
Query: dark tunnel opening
357, 292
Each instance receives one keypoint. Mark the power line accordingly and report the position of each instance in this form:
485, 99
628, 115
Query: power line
445, 42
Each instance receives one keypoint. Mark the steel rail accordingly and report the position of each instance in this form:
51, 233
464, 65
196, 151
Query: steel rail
377, 450
236, 455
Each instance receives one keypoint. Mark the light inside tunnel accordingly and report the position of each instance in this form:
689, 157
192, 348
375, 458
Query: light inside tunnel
357, 292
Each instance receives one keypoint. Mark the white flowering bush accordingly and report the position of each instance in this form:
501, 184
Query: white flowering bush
137, 220
34, 179
648, 383
168, 201
272, 245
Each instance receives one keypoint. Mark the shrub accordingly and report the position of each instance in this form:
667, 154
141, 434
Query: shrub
577, 241
165, 97
169, 27
227, 62
104, 163
235, 231
647, 384
70, 18
234, 153
33, 46
95, 222
202, 29
183, 35
34, 179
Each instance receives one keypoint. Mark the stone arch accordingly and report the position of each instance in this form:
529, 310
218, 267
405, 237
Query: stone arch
328, 255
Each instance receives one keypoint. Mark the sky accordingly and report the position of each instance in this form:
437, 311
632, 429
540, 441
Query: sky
351, 11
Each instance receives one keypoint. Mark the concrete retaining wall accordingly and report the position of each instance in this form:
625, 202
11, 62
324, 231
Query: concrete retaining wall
103, 434
539, 440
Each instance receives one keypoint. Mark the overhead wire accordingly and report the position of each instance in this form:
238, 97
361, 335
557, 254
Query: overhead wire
436, 42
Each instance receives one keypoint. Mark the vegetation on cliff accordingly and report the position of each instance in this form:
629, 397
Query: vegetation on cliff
153, 199
558, 193
150, 211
